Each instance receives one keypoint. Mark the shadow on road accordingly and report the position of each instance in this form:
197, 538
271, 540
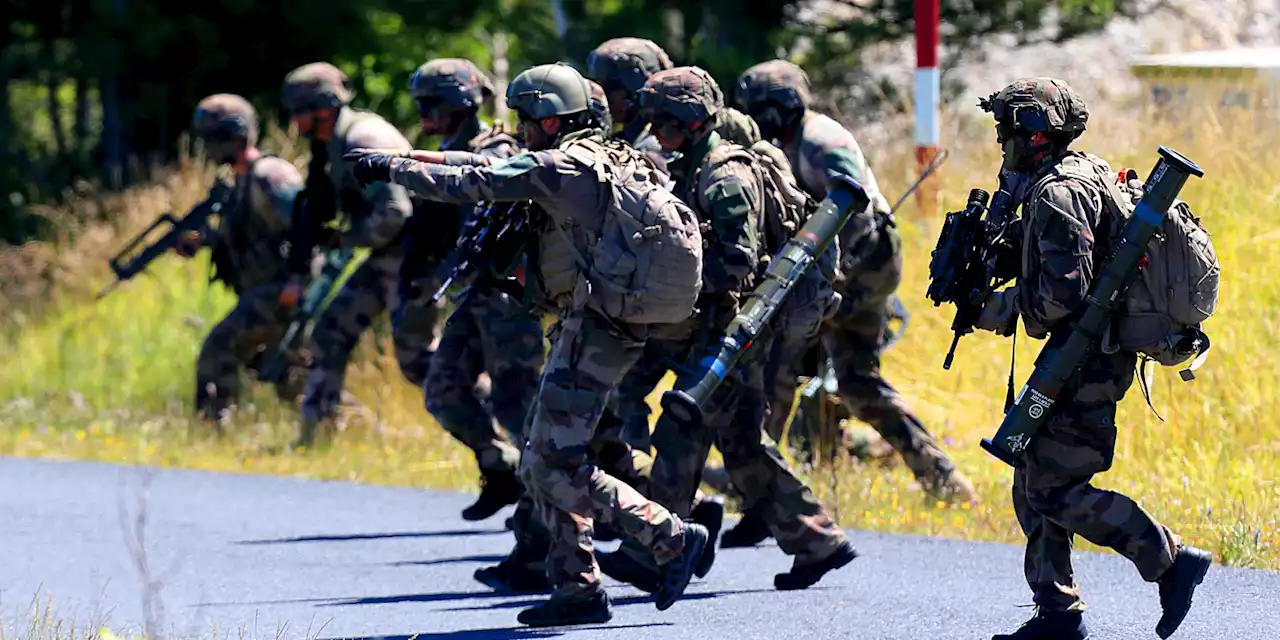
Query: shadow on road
418, 597
381, 536
644, 599
460, 560
507, 633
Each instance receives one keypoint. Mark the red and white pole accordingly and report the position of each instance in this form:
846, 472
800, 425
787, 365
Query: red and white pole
928, 97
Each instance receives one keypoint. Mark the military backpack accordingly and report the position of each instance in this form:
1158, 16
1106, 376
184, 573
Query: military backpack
1161, 313
644, 255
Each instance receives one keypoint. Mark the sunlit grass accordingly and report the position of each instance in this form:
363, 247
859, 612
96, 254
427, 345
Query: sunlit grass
112, 380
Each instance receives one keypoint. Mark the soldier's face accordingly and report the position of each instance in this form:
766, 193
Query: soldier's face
669, 133
619, 99
538, 135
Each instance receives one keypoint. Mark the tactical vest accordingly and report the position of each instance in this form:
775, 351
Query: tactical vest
639, 250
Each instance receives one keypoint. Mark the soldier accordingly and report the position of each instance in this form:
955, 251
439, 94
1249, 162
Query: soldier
491, 331
1066, 224
776, 95
571, 175
621, 66
727, 187
254, 223
317, 96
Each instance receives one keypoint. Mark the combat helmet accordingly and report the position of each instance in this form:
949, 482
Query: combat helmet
549, 90
777, 81
626, 63
316, 85
1048, 105
687, 94
223, 117
453, 81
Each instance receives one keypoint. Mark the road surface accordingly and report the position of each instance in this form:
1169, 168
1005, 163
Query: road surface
247, 556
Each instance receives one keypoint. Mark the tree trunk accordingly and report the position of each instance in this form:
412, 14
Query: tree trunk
52, 80
80, 128
501, 70
113, 139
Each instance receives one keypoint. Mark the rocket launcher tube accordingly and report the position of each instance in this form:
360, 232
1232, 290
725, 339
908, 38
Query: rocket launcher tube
1033, 406
796, 257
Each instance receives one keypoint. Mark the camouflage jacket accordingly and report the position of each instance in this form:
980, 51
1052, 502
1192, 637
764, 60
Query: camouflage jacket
1059, 252
737, 127
378, 211
822, 149
253, 227
727, 195
559, 184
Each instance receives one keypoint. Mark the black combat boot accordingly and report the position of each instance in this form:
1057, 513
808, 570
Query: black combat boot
1178, 584
749, 532
1050, 625
498, 489
710, 514
808, 575
517, 573
678, 572
625, 565
593, 609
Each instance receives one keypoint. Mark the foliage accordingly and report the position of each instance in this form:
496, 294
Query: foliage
99, 92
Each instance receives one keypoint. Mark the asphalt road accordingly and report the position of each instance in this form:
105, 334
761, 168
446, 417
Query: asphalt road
243, 556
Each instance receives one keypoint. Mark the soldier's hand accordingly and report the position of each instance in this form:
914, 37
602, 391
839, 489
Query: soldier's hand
369, 167
998, 312
188, 244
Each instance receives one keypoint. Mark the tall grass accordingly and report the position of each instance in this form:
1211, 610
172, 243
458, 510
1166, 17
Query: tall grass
113, 380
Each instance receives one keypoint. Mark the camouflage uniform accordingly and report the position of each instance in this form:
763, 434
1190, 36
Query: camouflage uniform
247, 254
870, 272
722, 183
377, 215
737, 127
590, 354
1052, 495
490, 331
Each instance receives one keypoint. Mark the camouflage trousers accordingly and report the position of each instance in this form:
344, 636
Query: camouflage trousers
256, 323
589, 356
371, 290
795, 331
734, 423
490, 332
854, 340
1054, 500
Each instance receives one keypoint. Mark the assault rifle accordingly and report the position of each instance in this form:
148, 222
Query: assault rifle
1054, 367
133, 260
976, 254
335, 262
490, 246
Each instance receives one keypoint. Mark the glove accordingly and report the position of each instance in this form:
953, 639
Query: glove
998, 312
369, 167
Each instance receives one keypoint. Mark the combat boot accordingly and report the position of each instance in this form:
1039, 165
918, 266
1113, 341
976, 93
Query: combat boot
498, 489
749, 532
710, 514
1050, 625
1178, 584
803, 577
593, 609
678, 572
517, 573
954, 488
625, 565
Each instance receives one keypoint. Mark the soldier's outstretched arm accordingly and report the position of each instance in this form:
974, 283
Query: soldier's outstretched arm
528, 176
1060, 219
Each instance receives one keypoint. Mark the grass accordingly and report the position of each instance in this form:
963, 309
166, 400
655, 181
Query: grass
111, 380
